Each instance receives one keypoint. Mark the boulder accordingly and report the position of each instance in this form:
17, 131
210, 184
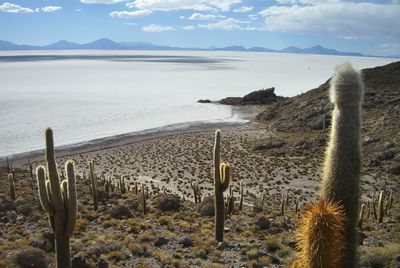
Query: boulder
206, 207
263, 223
168, 202
26, 257
269, 145
120, 212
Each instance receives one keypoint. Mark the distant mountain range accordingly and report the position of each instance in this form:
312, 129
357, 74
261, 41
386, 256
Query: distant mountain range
107, 44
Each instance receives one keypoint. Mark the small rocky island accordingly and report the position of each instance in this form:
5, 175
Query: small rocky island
262, 96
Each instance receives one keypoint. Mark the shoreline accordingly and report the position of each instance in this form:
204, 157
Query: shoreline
246, 114
20, 160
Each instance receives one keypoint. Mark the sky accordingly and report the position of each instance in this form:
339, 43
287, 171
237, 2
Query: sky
370, 27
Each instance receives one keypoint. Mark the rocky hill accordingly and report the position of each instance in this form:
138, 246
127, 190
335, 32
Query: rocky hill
302, 121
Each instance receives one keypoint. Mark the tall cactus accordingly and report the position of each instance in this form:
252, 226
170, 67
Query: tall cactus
93, 180
341, 172
12, 186
221, 183
59, 200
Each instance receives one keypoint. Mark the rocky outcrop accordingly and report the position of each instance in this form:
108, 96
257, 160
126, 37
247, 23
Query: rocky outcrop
263, 96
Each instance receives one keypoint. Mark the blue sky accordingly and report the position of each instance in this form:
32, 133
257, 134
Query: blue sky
370, 27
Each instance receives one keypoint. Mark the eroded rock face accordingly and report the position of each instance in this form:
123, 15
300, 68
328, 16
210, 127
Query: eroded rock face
263, 96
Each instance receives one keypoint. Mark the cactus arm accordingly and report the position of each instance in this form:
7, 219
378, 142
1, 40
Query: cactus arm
42, 189
72, 199
56, 197
225, 176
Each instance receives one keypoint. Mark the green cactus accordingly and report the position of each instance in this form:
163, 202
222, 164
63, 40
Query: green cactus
341, 172
93, 180
12, 186
221, 183
59, 200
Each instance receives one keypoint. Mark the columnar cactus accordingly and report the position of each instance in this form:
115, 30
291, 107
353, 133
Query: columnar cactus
93, 180
12, 186
30, 172
221, 183
144, 199
341, 172
380, 207
361, 218
374, 207
241, 196
321, 236
59, 200
196, 192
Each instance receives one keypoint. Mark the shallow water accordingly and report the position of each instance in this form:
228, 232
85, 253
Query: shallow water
85, 95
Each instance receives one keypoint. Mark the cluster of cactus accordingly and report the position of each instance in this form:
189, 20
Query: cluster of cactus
93, 184
221, 184
196, 192
31, 176
59, 200
341, 179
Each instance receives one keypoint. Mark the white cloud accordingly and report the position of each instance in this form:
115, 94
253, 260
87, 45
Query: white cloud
188, 28
228, 24
130, 14
396, 1
199, 16
78, 10
51, 8
243, 9
12, 8
390, 48
101, 1
154, 28
200, 5
306, 2
358, 20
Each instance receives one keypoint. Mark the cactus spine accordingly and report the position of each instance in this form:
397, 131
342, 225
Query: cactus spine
12, 186
93, 181
341, 172
59, 200
221, 183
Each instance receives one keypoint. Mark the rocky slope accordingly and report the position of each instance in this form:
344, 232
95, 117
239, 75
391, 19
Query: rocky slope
302, 121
